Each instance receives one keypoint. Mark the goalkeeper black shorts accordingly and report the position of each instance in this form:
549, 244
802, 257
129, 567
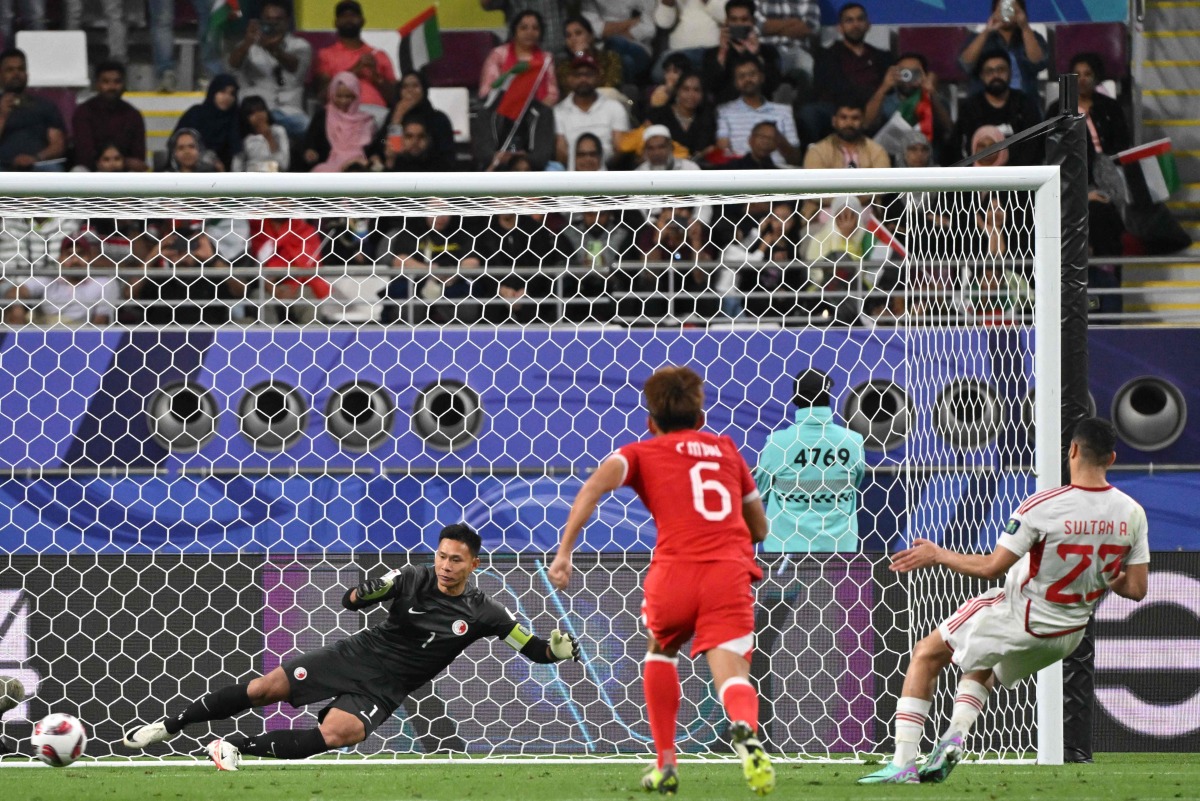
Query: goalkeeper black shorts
356, 688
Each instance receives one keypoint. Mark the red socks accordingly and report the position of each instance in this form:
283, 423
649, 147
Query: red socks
741, 702
660, 680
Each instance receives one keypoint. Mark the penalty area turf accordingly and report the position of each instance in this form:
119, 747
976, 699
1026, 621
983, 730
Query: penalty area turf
1113, 777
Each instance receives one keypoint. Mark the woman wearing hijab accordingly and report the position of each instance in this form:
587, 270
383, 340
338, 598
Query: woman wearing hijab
340, 133
185, 152
216, 120
984, 137
413, 105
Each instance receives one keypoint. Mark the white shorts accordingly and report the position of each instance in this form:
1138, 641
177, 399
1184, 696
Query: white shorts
985, 634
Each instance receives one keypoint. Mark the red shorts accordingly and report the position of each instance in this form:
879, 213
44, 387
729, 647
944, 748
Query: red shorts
712, 600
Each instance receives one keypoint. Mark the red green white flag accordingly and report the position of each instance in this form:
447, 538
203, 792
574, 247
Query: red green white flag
420, 41
1153, 163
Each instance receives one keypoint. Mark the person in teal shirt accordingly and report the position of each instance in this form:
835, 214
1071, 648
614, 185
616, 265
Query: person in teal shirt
808, 476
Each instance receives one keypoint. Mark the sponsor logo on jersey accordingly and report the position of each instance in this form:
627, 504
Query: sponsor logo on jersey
459, 627
300, 673
1013, 526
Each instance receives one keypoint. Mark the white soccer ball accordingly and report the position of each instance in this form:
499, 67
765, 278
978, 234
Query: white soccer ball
59, 739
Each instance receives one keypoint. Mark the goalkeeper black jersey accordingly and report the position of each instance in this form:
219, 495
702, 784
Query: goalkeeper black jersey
426, 629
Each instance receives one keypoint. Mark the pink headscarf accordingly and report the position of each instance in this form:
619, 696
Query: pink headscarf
349, 132
996, 135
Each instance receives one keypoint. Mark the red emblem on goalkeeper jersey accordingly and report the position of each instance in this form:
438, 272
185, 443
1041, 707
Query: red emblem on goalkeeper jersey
459, 627
300, 673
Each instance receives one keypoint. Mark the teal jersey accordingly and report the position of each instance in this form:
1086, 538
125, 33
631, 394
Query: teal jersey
808, 476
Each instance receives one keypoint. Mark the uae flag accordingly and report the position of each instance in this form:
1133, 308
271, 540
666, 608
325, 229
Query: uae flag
1150, 172
223, 12
880, 235
420, 41
513, 90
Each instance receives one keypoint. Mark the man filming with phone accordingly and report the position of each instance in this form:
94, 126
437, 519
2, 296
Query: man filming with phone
739, 38
272, 62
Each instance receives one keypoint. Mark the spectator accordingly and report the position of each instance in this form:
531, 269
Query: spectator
110, 159
790, 26
763, 146
525, 32
1023, 48
911, 90
811, 522
162, 42
413, 104
1108, 134
592, 243
847, 146
552, 16
431, 252
1011, 110
265, 147
32, 133
658, 152
353, 242
914, 151
1108, 131
739, 40
185, 152
627, 28
520, 245
108, 119
589, 153
70, 298
736, 119
31, 245
585, 110
694, 25
581, 38
216, 119
674, 67
293, 247
760, 254
839, 234
671, 246
984, 137
273, 63
116, 28
340, 133
994, 295
848, 71
33, 17
416, 152
370, 66
186, 281
689, 117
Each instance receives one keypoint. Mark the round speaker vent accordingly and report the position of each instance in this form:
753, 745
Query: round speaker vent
272, 415
182, 417
967, 414
1149, 413
359, 415
447, 415
878, 410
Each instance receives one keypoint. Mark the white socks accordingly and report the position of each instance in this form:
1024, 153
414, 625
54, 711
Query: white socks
911, 714
968, 703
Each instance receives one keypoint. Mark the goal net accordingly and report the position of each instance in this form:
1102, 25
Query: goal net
222, 402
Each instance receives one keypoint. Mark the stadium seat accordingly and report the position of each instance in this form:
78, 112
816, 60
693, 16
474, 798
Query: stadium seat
317, 40
1109, 40
455, 103
939, 44
463, 54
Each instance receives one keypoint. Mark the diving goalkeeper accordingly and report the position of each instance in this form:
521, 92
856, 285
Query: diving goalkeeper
435, 614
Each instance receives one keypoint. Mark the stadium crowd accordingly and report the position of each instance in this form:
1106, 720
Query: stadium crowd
581, 85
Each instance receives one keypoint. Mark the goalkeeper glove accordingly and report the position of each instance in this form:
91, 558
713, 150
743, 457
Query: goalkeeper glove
374, 589
564, 646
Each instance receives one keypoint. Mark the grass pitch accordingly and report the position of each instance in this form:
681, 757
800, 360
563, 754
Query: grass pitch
1114, 777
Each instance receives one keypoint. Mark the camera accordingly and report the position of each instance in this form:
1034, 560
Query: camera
1008, 10
267, 28
909, 76
739, 33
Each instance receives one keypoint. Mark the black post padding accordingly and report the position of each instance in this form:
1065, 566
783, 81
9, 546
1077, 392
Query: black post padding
1067, 147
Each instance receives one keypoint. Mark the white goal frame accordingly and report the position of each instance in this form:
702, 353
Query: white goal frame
249, 195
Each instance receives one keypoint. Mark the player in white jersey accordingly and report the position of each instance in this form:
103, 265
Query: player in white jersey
1062, 550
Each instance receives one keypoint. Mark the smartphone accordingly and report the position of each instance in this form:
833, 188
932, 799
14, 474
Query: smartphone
739, 33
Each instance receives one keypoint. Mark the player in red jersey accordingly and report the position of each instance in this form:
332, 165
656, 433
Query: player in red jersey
1062, 550
708, 514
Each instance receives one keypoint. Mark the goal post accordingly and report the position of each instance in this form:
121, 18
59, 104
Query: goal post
281, 384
